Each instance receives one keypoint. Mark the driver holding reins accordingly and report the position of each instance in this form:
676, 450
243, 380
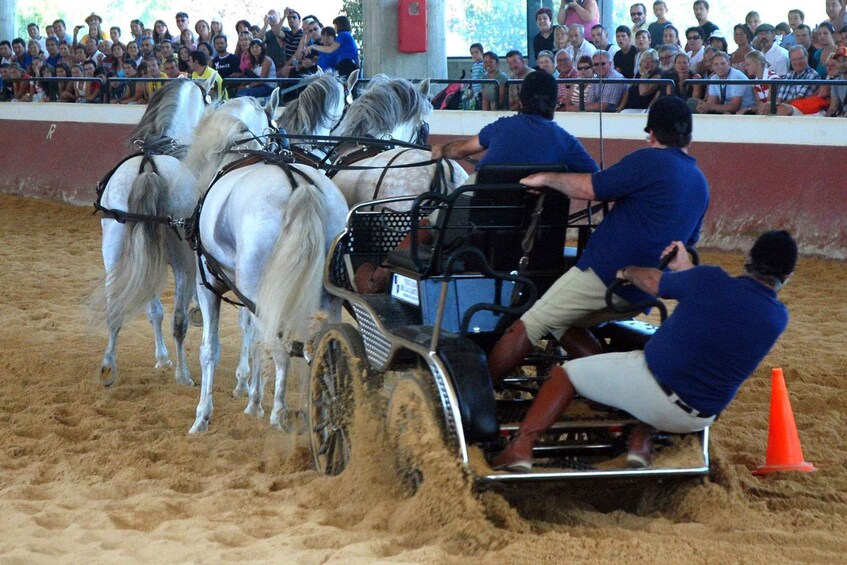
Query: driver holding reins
692, 367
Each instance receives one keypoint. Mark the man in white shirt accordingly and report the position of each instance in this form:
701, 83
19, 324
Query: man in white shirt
694, 45
776, 56
578, 45
600, 39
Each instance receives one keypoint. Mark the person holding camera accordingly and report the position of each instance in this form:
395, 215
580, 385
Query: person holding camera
583, 12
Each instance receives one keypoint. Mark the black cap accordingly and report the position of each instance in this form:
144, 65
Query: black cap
182, 15
670, 114
539, 84
774, 253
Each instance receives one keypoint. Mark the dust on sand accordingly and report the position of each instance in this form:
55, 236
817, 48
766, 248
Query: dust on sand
111, 475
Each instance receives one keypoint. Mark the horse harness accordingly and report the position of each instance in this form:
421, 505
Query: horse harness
165, 146
192, 230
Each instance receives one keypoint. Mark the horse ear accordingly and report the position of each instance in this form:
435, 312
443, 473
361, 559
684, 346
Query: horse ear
207, 85
319, 72
272, 103
352, 79
424, 87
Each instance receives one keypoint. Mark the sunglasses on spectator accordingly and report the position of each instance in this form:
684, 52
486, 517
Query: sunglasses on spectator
693, 37
583, 68
603, 64
636, 13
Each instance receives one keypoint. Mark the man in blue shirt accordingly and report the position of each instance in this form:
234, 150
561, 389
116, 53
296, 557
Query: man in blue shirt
692, 367
529, 138
660, 196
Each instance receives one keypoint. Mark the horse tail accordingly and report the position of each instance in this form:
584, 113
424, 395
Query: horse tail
140, 274
292, 282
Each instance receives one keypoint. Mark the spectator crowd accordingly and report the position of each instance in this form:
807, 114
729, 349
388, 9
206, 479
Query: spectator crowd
92, 63
573, 44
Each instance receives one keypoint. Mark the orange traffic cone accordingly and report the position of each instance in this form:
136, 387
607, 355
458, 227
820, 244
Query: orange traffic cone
784, 451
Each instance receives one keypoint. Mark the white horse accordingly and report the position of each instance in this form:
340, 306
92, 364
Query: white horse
265, 227
136, 254
389, 109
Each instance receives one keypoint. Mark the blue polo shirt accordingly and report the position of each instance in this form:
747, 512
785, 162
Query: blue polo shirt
718, 334
660, 196
529, 139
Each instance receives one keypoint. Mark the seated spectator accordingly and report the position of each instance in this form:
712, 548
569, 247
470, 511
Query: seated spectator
33, 49
493, 95
695, 44
795, 20
183, 60
838, 96
585, 69
799, 99
826, 40
50, 89
171, 69
186, 37
261, 66
560, 38
66, 55
160, 32
217, 26
519, 72
543, 40
725, 98
92, 93
776, 56
667, 54
60, 30
6, 56
757, 69
641, 96
600, 40
200, 70
344, 51
207, 49
133, 52
227, 64
544, 62
134, 92
579, 46
241, 26
566, 69
705, 66
718, 41
64, 88
624, 58
7, 92
52, 57
40, 89
19, 51
742, 36
94, 30
21, 89
605, 97
204, 32
681, 74
115, 35
670, 36
305, 60
243, 51
166, 51
153, 72
642, 44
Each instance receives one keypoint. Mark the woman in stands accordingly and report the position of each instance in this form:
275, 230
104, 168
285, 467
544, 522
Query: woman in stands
261, 66
680, 75
342, 54
585, 12
493, 95
560, 38
757, 69
544, 61
217, 26
204, 32
133, 52
65, 88
186, 37
182, 59
742, 36
160, 32
641, 96
670, 36
826, 40
543, 40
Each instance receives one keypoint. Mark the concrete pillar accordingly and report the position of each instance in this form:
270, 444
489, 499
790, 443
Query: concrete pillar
380, 42
8, 13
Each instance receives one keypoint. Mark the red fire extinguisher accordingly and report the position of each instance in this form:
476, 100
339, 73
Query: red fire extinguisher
411, 26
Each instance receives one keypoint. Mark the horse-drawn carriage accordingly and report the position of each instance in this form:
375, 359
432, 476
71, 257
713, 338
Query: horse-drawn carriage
471, 263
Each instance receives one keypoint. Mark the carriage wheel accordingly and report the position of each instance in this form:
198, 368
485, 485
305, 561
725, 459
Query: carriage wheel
338, 362
416, 429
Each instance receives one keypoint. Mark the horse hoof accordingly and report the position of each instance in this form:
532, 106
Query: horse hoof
164, 364
240, 389
254, 410
185, 380
195, 316
200, 425
108, 376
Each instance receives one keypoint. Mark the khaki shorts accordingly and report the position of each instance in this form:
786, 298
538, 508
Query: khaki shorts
577, 298
623, 381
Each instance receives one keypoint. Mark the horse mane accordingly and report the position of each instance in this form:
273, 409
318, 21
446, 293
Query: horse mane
309, 112
156, 122
384, 105
218, 131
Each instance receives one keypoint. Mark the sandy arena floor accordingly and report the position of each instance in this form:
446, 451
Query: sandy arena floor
103, 476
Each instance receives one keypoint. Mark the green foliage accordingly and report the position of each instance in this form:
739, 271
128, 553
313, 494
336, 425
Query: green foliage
353, 10
500, 25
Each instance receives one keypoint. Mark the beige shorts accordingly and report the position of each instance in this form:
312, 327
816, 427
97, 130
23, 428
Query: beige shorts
623, 381
577, 298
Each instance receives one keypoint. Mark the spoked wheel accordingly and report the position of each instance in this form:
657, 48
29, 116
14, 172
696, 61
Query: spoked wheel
338, 362
416, 429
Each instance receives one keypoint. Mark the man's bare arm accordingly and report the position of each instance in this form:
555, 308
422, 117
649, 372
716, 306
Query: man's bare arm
574, 185
457, 149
